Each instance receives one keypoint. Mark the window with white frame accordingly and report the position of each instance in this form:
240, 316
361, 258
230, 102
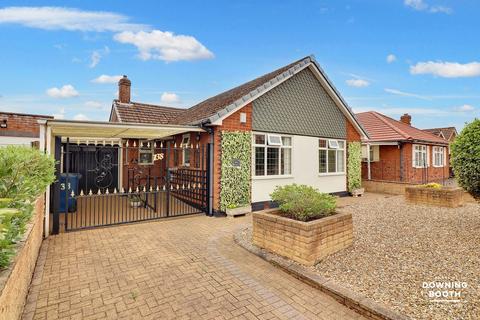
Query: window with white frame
331, 155
145, 152
272, 155
420, 157
438, 156
186, 150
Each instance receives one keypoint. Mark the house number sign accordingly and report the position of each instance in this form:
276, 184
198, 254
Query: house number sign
158, 156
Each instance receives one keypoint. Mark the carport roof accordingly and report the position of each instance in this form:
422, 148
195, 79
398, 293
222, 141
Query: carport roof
110, 130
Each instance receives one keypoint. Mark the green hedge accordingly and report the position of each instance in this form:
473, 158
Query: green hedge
354, 166
466, 158
235, 169
24, 174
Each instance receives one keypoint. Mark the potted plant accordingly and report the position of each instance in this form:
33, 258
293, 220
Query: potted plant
135, 201
306, 227
235, 209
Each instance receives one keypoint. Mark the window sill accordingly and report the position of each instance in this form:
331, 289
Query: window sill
439, 166
331, 174
272, 177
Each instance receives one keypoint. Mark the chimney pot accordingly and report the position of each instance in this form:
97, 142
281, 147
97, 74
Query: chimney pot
406, 118
124, 89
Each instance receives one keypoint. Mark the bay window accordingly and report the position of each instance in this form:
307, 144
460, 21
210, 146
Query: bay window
331, 155
272, 155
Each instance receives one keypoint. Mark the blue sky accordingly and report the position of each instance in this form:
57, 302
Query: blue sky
395, 56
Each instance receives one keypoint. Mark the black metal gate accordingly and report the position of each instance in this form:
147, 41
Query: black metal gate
112, 183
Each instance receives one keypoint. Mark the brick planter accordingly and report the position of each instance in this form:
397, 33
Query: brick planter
303, 242
444, 197
15, 281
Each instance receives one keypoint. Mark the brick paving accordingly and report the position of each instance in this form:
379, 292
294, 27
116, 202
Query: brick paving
187, 268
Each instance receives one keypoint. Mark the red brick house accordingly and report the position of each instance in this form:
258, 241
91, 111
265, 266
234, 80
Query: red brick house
19, 128
151, 161
398, 152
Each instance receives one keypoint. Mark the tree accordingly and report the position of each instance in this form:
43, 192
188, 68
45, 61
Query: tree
466, 158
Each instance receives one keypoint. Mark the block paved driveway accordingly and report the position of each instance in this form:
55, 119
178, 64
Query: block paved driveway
186, 268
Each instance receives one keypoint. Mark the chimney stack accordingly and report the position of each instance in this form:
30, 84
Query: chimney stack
406, 118
124, 90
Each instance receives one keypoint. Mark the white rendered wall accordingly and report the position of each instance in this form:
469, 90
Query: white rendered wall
304, 171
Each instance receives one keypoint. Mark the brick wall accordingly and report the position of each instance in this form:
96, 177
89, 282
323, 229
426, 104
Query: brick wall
231, 123
21, 125
445, 197
303, 242
15, 281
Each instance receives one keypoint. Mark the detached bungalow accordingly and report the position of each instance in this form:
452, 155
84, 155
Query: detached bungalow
299, 126
233, 149
398, 152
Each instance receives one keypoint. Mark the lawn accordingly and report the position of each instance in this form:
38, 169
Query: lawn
397, 247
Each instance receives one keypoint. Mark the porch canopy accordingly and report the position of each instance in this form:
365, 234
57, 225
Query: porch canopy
115, 130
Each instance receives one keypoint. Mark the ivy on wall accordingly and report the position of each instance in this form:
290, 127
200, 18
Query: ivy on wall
354, 165
236, 165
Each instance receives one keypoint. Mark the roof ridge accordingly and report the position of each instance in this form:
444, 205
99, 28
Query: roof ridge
382, 118
157, 105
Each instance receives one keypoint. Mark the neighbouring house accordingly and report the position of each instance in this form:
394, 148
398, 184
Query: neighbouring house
19, 128
287, 126
398, 152
447, 133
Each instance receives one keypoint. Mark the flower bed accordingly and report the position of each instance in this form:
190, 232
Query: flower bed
303, 242
435, 196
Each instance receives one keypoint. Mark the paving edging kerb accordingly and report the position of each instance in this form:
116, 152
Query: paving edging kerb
363, 305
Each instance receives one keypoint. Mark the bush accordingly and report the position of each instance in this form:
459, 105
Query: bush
25, 172
24, 175
466, 158
304, 203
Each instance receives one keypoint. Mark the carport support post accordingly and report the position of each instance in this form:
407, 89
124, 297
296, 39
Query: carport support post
209, 179
56, 186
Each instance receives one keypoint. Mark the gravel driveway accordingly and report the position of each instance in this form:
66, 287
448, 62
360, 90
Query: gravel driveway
399, 246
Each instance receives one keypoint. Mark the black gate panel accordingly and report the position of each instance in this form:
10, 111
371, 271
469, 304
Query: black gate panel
162, 188
97, 165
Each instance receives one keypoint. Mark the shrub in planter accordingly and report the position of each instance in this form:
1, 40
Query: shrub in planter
466, 158
303, 203
306, 228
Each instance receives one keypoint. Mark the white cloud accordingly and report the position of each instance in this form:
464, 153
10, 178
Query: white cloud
97, 56
464, 108
406, 94
67, 91
358, 83
60, 114
94, 59
60, 18
93, 104
441, 9
447, 69
106, 79
165, 46
420, 5
169, 97
391, 58
80, 117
